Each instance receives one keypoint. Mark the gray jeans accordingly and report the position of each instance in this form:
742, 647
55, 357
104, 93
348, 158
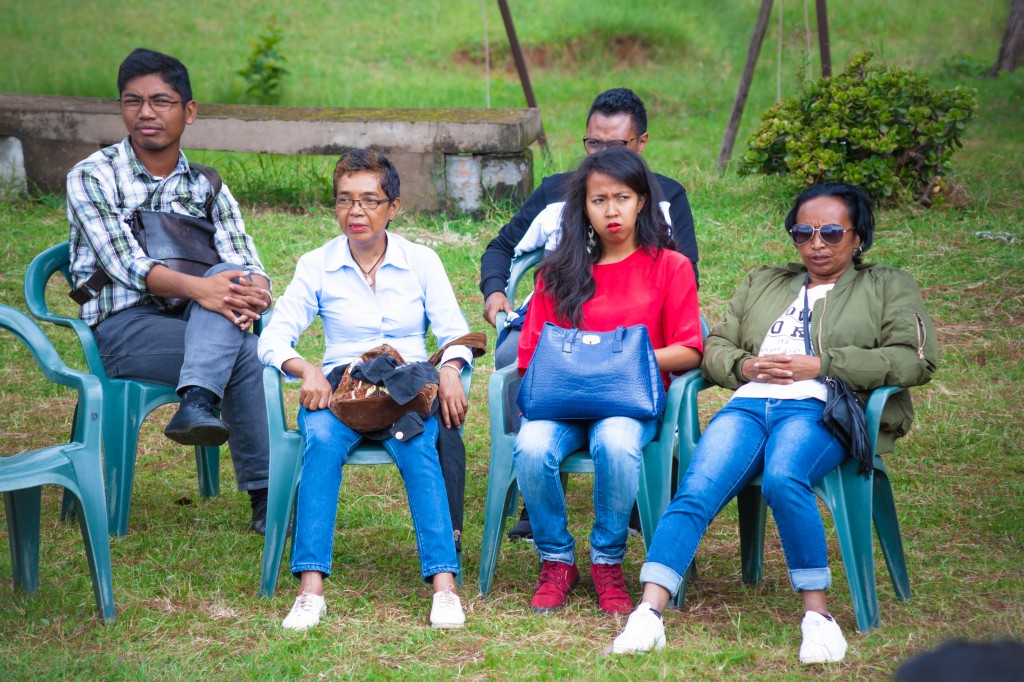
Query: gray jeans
197, 348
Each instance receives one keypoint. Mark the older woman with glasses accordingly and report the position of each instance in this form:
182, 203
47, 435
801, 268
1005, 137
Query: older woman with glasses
863, 323
369, 287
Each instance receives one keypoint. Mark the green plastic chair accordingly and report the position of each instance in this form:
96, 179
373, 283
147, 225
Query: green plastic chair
520, 266
853, 500
126, 402
286, 448
74, 465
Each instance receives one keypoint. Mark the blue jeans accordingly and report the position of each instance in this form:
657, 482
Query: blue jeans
328, 445
616, 446
784, 441
197, 348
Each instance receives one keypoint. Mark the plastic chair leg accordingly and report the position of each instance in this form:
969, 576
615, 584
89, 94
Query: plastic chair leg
512, 506
500, 492
23, 508
753, 513
280, 520
93, 522
67, 506
848, 497
67, 501
120, 441
679, 601
888, 528
208, 466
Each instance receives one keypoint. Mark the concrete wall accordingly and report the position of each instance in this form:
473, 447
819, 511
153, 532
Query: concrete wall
446, 157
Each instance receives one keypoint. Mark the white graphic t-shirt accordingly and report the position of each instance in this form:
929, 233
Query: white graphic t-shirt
786, 337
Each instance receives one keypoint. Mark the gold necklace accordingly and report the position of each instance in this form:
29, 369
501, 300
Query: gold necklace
366, 273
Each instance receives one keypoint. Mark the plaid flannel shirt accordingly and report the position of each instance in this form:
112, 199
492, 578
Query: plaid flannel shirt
103, 192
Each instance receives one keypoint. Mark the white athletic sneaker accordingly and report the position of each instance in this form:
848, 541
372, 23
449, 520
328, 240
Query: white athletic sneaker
644, 631
306, 612
823, 640
446, 610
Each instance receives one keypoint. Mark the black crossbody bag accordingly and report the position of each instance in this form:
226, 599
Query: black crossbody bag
185, 244
843, 415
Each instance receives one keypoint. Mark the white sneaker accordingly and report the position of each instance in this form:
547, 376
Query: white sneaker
306, 612
644, 631
446, 611
823, 640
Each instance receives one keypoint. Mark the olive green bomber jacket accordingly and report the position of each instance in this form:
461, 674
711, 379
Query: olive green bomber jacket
871, 330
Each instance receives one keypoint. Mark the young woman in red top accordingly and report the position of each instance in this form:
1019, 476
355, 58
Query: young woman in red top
614, 265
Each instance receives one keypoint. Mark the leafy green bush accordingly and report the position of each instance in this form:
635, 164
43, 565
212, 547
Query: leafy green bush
886, 130
263, 76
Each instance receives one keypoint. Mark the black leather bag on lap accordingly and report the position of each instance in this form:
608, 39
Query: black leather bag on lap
184, 244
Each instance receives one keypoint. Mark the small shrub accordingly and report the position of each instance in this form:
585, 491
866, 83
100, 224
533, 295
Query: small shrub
883, 129
263, 76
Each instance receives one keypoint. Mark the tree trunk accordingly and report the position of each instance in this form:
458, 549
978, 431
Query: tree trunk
1011, 52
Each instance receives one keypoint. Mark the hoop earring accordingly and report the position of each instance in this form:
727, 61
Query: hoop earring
591, 238
857, 252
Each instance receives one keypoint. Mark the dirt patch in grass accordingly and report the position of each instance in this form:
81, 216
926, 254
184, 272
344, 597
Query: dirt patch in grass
997, 305
627, 51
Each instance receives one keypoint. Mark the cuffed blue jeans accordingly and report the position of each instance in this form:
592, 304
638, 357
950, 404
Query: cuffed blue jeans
328, 445
616, 446
785, 442
197, 347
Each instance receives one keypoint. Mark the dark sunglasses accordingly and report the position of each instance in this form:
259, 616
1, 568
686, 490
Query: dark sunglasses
830, 234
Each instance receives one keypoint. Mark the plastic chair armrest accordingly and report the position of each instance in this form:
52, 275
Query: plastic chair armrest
521, 264
873, 410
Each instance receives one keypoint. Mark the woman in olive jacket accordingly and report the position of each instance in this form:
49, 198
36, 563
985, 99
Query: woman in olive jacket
865, 324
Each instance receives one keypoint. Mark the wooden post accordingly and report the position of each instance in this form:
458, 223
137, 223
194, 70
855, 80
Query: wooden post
1011, 51
823, 45
756, 38
524, 75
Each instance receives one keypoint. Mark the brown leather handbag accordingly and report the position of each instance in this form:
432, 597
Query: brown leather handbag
366, 408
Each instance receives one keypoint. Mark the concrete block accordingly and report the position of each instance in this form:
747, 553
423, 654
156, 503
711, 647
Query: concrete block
12, 168
464, 187
446, 157
422, 178
507, 176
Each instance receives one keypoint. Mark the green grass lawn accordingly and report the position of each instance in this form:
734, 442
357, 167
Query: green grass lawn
186, 575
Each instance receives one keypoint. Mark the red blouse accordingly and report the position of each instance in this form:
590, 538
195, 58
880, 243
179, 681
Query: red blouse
658, 291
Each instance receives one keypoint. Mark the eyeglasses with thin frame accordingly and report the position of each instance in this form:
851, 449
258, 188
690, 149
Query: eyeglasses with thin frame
161, 104
367, 203
830, 234
592, 144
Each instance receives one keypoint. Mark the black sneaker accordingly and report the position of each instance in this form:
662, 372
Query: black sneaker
196, 422
522, 530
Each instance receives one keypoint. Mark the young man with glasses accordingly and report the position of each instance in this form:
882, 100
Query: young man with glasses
205, 349
616, 118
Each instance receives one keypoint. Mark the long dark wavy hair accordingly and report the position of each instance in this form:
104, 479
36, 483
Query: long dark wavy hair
568, 272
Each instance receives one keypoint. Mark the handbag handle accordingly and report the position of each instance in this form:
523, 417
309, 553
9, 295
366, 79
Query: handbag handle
571, 335
569, 340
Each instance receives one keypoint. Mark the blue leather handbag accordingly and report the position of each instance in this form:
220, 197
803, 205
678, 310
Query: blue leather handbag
577, 374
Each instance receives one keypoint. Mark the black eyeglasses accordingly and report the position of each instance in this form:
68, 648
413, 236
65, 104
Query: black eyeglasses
370, 203
592, 144
830, 234
161, 104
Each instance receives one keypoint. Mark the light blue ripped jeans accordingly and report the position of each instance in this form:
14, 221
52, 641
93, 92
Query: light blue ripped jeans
616, 446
